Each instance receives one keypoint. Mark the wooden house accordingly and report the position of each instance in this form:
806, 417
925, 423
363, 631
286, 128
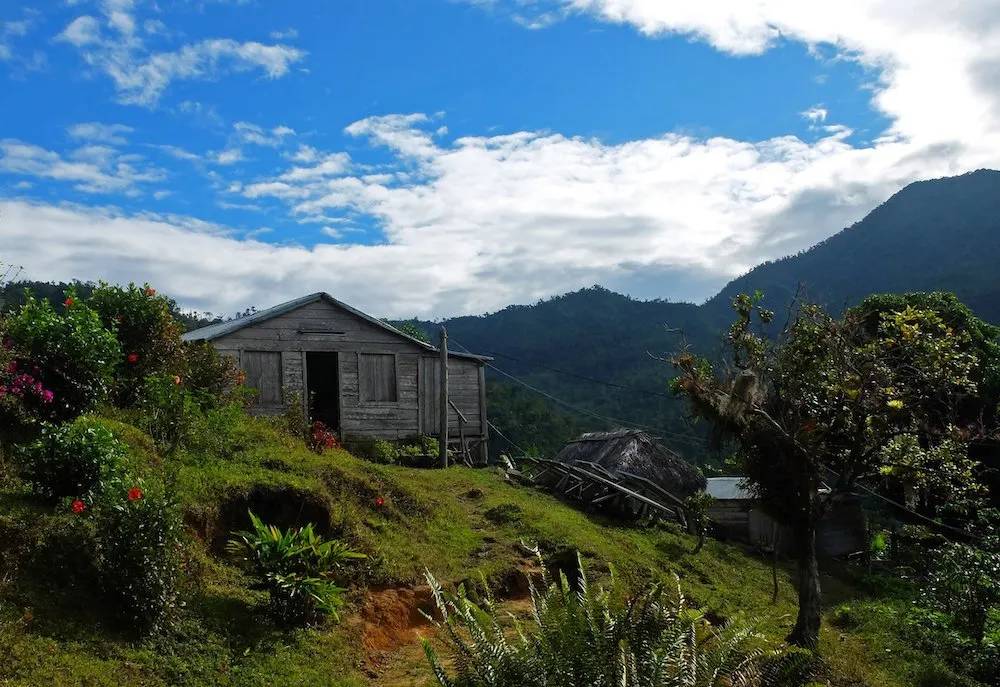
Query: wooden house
735, 514
356, 373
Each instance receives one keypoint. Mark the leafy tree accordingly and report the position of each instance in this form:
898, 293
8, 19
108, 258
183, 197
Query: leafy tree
822, 404
411, 328
149, 336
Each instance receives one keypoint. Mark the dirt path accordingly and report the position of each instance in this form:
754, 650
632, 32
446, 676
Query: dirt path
392, 626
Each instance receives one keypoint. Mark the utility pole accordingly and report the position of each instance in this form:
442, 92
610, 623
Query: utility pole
443, 435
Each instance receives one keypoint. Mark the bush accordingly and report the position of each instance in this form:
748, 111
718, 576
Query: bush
207, 373
964, 582
166, 410
384, 452
591, 636
149, 337
138, 538
296, 567
70, 356
72, 459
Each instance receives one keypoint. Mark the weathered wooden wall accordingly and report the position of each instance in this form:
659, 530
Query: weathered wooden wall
841, 531
367, 407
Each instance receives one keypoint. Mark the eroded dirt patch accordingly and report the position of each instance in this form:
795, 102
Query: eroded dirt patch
391, 618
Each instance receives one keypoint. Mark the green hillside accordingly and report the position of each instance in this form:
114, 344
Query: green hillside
458, 523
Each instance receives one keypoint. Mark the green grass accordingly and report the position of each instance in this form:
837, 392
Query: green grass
459, 524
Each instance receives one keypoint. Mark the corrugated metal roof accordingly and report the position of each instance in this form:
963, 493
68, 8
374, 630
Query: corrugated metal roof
219, 329
727, 488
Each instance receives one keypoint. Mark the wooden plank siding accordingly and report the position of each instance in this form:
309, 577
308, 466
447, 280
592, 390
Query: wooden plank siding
388, 385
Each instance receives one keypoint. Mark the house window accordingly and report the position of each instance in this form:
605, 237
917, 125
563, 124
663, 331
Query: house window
377, 372
263, 373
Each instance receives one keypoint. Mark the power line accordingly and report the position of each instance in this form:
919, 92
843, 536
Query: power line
907, 509
585, 378
679, 437
506, 438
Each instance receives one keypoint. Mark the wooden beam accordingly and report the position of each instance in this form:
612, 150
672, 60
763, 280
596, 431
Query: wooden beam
443, 439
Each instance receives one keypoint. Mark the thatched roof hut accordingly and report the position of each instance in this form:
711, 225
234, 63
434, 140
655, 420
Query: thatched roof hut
636, 452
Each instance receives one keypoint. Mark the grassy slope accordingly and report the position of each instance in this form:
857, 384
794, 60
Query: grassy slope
457, 523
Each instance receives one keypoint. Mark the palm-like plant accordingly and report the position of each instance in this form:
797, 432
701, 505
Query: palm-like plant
296, 567
591, 637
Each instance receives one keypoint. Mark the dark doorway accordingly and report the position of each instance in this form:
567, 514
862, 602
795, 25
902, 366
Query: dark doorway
323, 384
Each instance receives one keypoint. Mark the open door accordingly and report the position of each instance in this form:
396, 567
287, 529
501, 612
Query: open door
323, 388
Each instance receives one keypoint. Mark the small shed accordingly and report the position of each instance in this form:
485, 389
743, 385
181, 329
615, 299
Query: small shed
637, 453
356, 373
735, 514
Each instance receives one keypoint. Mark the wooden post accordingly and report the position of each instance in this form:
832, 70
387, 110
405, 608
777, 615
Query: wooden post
443, 435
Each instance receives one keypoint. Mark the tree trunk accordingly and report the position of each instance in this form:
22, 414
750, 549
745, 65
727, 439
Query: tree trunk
775, 543
806, 631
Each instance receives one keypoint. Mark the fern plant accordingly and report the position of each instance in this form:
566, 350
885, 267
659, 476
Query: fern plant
296, 567
590, 637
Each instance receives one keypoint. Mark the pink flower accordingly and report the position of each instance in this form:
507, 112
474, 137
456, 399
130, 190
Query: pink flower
150, 291
47, 396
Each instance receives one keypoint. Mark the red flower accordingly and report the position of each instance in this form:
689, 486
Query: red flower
134, 494
132, 358
68, 302
78, 506
379, 501
150, 291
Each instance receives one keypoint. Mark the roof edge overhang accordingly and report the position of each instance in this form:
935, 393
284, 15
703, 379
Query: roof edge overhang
220, 329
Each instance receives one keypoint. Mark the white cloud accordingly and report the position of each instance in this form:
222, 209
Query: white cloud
257, 135
229, 156
472, 224
11, 30
141, 74
91, 168
928, 53
397, 131
113, 134
82, 31
816, 114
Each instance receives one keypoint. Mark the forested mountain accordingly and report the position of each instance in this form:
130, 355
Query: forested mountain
936, 235
591, 348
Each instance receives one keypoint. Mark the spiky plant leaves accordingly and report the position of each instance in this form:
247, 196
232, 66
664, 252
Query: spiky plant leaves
591, 636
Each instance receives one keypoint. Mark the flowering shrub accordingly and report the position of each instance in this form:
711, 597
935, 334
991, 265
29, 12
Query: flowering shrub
62, 364
296, 567
138, 542
148, 335
72, 459
321, 437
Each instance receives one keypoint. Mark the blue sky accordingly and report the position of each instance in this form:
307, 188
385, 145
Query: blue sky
442, 157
